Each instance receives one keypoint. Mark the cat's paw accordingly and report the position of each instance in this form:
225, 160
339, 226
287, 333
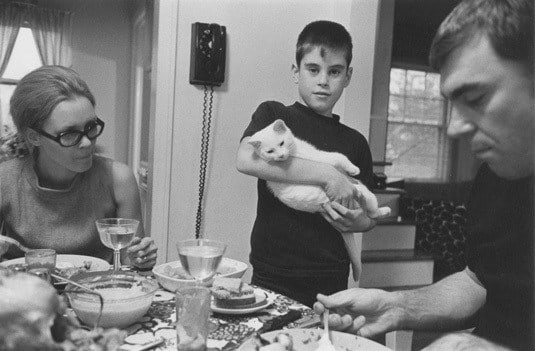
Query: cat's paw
380, 212
352, 170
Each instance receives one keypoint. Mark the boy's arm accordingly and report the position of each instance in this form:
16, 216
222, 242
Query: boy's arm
297, 170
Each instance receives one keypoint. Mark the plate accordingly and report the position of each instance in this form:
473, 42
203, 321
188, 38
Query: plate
307, 340
67, 261
260, 295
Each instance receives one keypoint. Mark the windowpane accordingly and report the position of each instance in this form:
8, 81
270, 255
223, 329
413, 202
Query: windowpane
5, 94
414, 151
25, 57
397, 81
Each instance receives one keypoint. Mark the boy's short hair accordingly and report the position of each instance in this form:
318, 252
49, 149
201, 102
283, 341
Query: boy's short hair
507, 23
327, 34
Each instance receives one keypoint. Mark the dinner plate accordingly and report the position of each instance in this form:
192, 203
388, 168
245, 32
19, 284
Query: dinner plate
260, 295
307, 340
68, 261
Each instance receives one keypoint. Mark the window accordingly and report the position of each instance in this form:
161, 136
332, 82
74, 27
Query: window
24, 59
417, 145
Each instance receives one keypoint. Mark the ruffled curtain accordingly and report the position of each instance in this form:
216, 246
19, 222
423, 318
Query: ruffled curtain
52, 30
11, 17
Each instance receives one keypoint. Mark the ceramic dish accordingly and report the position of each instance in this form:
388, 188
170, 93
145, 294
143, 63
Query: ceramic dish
307, 340
260, 296
228, 268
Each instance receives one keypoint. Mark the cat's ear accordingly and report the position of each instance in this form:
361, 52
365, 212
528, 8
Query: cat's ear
279, 126
256, 144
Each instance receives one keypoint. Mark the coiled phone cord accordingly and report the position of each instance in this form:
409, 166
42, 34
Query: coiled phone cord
205, 141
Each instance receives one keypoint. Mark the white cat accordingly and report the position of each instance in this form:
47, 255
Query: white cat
276, 142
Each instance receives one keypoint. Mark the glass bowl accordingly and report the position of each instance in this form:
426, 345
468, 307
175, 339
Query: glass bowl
127, 296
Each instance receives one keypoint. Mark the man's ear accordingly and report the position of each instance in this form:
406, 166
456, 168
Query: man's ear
33, 137
348, 76
295, 73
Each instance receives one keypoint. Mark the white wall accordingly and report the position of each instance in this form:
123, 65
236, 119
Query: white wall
101, 55
261, 38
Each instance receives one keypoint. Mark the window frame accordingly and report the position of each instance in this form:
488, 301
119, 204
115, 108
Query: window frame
450, 150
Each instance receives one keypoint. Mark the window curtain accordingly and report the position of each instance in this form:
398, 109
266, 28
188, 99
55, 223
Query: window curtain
52, 30
11, 17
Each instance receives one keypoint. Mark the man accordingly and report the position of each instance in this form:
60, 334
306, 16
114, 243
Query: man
484, 53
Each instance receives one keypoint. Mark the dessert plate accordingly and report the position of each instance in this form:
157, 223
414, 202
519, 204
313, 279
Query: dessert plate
261, 300
68, 261
307, 340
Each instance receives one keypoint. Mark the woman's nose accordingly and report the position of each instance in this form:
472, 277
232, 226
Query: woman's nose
84, 142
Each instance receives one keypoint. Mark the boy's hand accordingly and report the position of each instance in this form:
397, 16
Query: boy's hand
346, 220
340, 189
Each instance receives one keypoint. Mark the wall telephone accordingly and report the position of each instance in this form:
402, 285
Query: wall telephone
208, 49
207, 68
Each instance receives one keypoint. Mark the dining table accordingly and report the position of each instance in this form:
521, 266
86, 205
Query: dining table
230, 331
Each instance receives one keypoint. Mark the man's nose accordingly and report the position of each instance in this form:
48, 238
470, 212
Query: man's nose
458, 126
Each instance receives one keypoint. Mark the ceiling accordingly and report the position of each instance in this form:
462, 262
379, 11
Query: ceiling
415, 24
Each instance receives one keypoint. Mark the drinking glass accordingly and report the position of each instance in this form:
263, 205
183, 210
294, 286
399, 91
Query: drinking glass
117, 233
200, 257
192, 313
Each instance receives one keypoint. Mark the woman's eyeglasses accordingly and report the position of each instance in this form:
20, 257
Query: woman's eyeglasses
91, 130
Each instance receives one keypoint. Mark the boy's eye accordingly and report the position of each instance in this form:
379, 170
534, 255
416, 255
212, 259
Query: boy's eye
313, 70
335, 73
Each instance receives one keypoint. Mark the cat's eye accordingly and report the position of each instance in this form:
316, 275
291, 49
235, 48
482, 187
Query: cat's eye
270, 151
282, 143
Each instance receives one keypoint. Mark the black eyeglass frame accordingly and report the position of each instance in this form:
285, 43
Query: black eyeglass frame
80, 133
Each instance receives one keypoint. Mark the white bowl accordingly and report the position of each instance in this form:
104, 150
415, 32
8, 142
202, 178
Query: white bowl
127, 297
228, 268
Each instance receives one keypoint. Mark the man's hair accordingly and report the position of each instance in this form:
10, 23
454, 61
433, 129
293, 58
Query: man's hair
325, 34
507, 23
40, 91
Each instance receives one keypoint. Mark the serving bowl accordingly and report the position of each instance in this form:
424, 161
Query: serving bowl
172, 276
126, 295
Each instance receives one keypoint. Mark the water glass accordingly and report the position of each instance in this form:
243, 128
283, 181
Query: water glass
41, 258
192, 314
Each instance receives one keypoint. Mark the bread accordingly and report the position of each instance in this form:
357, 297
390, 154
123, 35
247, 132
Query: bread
233, 293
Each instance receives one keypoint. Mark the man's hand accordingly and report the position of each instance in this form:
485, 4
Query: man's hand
366, 312
340, 189
347, 220
142, 252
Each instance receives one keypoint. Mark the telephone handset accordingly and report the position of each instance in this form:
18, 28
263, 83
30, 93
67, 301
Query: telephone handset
208, 48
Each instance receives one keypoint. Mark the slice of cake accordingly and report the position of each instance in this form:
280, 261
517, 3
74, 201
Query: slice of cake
233, 293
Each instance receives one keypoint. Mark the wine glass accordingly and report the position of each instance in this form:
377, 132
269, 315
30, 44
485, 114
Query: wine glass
117, 233
200, 257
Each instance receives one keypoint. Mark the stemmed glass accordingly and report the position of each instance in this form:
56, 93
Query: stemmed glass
117, 233
200, 257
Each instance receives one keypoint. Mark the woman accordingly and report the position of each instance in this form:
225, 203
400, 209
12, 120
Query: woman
51, 198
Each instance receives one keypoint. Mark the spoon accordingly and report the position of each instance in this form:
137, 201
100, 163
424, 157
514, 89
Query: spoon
324, 343
9, 240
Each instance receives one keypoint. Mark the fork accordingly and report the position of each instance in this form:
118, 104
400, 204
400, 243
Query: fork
9, 240
324, 343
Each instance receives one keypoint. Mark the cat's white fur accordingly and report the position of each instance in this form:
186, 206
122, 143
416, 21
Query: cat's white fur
276, 142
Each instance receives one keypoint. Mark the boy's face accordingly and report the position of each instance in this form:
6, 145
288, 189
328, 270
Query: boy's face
322, 76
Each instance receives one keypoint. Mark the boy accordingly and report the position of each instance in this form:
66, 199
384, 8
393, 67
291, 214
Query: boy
296, 253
